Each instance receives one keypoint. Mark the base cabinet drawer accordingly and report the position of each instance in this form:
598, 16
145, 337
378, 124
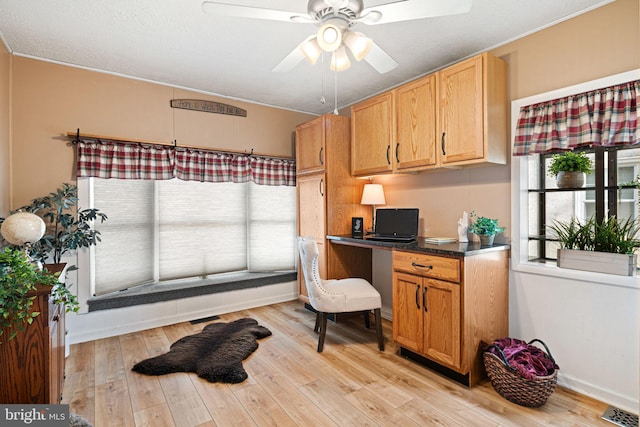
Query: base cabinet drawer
435, 267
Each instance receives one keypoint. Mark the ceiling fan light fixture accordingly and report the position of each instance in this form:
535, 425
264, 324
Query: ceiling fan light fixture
329, 36
340, 60
311, 50
358, 44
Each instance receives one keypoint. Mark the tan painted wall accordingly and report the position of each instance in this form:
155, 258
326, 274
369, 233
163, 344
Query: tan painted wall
50, 99
5, 61
602, 42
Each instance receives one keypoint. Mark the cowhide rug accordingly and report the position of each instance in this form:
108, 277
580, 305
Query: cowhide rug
215, 354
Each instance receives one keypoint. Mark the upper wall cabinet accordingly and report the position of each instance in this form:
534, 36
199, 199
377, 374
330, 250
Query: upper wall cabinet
455, 117
415, 126
371, 135
395, 131
473, 112
310, 152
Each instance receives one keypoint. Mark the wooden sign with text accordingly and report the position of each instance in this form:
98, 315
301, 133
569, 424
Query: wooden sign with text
208, 107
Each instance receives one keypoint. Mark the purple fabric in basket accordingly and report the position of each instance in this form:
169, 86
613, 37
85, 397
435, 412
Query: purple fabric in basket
528, 360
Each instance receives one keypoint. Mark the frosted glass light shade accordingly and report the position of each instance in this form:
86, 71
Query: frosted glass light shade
373, 194
358, 44
340, 60
22, 227
311, 50
330, 36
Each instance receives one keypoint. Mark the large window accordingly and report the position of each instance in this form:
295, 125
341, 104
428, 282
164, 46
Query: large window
165, 230
536, 200
607, 192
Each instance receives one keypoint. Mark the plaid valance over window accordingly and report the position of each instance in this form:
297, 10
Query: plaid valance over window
102, 158
602, 117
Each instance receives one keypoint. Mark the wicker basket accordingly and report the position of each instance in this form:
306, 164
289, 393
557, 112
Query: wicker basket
512, 386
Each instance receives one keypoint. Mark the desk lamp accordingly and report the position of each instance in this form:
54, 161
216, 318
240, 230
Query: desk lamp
373, 194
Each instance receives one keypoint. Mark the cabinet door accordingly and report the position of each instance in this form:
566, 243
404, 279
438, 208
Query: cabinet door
407, 311
371, 135
416, 123
312, 219
441, 307
461, 112
310, 146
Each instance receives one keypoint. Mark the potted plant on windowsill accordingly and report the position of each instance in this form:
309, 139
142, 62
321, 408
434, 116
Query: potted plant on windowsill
569, 168
604, 247
485, 228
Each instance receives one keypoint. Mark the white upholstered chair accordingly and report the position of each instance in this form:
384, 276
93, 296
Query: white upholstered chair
337, 296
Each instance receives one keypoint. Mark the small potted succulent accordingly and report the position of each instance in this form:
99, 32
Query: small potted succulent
485, 228
569, 168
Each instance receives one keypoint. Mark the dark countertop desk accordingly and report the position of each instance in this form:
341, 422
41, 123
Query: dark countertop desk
420, 246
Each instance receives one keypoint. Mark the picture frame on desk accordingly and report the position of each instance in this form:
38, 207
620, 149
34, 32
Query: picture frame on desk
357, 226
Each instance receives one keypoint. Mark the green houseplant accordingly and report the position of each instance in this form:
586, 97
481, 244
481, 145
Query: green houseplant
611, 236
19, 278
569, 168
68, 228
486, 228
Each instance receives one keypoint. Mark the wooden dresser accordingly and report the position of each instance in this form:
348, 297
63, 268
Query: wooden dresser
33, 362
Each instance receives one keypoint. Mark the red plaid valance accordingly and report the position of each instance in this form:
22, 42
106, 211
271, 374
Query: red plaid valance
602, 117
101, 158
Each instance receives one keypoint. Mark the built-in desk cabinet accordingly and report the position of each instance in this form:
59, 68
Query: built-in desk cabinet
445, 307
33, 362
453, 118
328, 197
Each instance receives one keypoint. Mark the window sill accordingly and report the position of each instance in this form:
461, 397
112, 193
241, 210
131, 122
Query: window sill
550, 269
152, 293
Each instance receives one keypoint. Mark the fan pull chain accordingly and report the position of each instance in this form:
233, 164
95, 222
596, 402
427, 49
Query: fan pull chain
335, 93
322, 100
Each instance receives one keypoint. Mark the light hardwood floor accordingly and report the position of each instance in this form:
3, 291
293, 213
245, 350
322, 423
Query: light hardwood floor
350, 384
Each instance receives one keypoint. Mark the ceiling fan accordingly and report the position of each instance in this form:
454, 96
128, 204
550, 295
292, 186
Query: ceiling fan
335, 19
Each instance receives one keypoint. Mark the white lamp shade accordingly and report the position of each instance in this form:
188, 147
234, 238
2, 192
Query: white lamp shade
340, 60
373, 194
311, 50
358, 44
22, 227
329, 36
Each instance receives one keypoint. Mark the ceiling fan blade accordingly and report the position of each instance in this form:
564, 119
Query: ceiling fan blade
380, 60
416, 9
292, 59
226, 9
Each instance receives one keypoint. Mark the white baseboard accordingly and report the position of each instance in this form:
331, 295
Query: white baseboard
108, 323
627, 403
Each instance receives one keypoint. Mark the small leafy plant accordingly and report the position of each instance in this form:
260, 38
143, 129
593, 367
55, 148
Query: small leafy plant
570, 161
484, 226
611, 235
18, 277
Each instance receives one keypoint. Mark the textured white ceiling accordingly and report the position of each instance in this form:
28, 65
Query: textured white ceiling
175, 43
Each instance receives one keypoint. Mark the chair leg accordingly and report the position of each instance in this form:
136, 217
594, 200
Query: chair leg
378, 317
316, 328
323, 331
367, 323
